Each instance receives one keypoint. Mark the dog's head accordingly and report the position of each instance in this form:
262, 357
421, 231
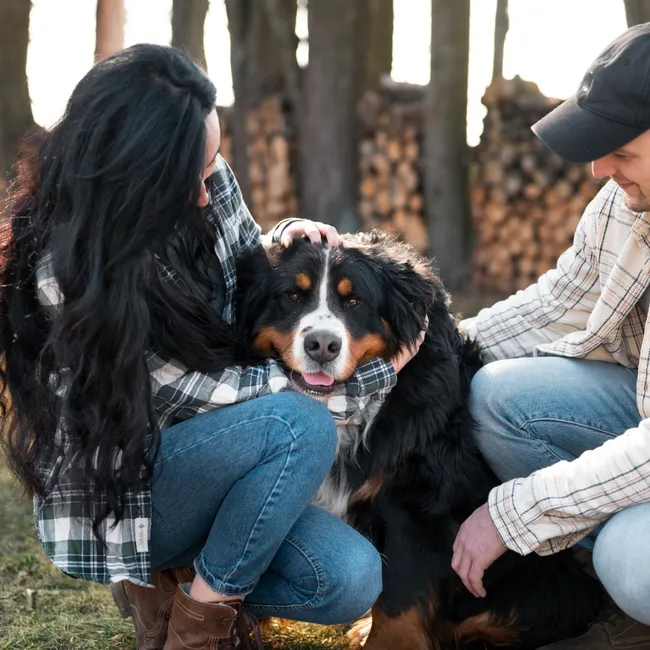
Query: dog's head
325, 311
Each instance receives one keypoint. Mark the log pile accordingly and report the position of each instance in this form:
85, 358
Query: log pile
526, 201
271, 149
390, 178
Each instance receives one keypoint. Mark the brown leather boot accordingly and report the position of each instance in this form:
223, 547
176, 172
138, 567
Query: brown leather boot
210, 626
150, 608
612, 630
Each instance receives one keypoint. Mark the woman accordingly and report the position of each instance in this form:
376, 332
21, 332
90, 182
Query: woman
145, 456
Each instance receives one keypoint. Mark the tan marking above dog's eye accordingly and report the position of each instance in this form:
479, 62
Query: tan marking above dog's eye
303, 282
344, 287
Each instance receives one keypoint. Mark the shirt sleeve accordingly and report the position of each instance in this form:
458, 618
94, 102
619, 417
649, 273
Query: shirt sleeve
226, 196
180, 393
559, 303
557, 506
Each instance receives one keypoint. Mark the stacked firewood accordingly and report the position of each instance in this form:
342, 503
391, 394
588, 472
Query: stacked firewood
526, 201
273, 194
390, 178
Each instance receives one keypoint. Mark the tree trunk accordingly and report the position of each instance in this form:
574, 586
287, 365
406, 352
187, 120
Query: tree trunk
188, 19
329, 125
109, 28
446, 173
375, 41
637, 12
501, 25
15, 107
281, 18
259, 65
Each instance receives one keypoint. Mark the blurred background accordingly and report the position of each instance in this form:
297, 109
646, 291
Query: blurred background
411, 116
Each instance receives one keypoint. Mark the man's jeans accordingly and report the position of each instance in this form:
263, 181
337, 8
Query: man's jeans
534, 412
231, 492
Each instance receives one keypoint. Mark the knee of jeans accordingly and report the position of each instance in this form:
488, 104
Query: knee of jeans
312, 425
622, 561
355, 585
486, 406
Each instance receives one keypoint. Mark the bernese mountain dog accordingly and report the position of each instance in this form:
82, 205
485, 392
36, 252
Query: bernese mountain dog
409, 473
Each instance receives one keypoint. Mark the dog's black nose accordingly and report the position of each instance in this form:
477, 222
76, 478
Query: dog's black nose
322, 346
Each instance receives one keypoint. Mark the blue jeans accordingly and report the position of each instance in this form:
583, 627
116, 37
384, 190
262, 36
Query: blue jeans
231, 492
534, 412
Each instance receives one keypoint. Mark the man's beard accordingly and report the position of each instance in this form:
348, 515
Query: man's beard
636, 205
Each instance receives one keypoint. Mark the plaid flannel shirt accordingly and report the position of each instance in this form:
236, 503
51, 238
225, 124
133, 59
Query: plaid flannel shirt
178, 394
587, 307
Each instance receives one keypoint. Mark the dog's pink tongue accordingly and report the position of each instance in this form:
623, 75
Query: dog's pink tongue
318, 379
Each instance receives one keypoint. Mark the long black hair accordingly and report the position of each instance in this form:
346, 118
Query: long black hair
110, 199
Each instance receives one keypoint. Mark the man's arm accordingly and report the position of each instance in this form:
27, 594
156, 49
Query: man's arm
556, 506
559, 303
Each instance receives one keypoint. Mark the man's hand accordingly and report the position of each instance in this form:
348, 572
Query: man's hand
477, 545
406, 353
313, 230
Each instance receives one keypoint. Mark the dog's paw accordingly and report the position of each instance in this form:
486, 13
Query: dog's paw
359, 632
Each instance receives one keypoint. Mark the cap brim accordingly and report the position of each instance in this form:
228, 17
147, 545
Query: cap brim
581, 136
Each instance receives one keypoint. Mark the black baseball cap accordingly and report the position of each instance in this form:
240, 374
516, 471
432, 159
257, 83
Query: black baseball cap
611, 107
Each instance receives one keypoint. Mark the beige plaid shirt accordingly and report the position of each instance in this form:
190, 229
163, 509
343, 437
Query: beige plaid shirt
587, 307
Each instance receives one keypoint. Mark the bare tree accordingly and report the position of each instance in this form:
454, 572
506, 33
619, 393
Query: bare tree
263, 60
501, 25
188, 20
109, 29
446, 171
329, 126
637, 12
281, 16
15, 107
375, 41
350, 48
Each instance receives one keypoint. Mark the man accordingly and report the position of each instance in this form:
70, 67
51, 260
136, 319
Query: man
568, 430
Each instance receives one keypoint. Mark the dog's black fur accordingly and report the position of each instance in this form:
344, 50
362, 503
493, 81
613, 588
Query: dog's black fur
418, 474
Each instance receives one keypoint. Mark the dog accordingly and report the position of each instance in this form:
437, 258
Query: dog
407, 472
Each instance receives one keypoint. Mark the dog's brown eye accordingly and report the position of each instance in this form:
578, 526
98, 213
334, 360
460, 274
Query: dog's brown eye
293, 296
353, 302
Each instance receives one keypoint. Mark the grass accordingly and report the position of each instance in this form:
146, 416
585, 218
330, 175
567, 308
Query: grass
42, 609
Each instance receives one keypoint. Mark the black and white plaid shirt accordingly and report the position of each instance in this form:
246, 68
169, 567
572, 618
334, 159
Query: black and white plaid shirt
179, 393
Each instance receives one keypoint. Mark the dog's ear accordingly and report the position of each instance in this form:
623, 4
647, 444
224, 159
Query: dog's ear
254, 274
408, 294
250, 266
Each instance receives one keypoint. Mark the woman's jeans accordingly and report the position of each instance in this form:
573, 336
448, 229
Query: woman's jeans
534, 412
231, 493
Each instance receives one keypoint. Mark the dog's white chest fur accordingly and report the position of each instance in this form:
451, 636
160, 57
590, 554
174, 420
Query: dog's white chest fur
335, 491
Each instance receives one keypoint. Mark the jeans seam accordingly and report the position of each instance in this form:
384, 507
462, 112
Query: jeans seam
221, 586
560, 420
221, 431
270, 500
321, 580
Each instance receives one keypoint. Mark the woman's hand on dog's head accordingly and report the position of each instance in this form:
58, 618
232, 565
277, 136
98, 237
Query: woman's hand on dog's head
312, 230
